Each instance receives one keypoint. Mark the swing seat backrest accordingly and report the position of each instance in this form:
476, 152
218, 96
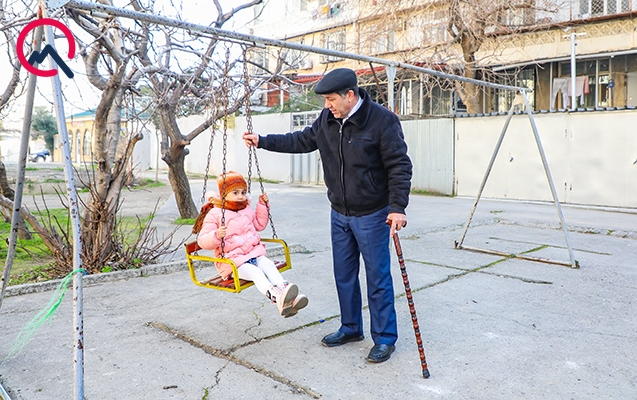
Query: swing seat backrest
233, 284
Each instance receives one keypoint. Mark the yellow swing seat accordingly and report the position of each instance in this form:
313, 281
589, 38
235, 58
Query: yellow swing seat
234, 284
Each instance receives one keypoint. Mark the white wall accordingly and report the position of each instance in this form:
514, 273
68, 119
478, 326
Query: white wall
430, 147
590, 157
142, 152
274, 166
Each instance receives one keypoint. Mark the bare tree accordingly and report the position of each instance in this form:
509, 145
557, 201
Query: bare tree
196, 83
107, 61
459, 36
10, 21
106, 243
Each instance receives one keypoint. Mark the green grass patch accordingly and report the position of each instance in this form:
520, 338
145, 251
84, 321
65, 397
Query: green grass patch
33, 259
184, 221
429, 193
148, 183
193, 175
265, 180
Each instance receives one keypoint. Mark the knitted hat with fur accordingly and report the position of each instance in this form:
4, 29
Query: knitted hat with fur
233, 181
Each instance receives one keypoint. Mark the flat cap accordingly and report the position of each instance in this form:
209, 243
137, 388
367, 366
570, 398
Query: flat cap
338, 79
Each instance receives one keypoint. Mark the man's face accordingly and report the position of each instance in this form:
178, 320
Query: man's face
339, 105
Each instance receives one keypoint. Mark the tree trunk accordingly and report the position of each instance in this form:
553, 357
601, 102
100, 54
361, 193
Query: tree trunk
98, 224
471, 96
181, 186
5, 189
175, 156
470, 92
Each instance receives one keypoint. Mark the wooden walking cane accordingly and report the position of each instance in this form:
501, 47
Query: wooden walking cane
410, 301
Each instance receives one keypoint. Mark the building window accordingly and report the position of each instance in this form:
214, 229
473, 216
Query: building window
592, 83
596, 8
297, 59
259, 58
503, 98
435, 26
333, 41
383, 43
301, 120
86, 150
258, 12
518, 13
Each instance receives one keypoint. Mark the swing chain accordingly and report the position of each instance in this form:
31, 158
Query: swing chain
226, 100
205, 177
256, 164
252, 151
248, 111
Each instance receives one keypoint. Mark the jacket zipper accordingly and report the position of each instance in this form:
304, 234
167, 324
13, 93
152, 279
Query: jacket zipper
340, 154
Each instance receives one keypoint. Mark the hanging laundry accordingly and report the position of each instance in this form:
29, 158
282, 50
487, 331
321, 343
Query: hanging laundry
581, 88
564, 85
560, 84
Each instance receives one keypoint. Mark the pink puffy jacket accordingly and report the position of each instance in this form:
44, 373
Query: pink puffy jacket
242, 242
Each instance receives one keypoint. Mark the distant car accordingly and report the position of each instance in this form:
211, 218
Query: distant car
40, 156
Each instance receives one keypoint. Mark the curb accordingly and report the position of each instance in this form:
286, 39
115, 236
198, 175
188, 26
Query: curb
94, 279
148, 270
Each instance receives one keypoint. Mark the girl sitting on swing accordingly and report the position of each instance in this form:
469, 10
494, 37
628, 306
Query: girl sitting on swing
239, 241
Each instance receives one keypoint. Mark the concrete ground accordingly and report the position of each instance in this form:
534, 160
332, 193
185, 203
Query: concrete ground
493, 327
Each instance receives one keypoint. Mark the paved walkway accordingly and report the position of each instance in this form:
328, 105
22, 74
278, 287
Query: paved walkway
493, 327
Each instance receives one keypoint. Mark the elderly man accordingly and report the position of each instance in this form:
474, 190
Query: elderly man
368, 176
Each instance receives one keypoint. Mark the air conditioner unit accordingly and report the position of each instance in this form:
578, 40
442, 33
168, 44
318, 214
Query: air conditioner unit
256, 98
306, 63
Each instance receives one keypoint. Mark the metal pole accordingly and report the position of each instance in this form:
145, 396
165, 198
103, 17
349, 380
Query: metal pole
573, 74
574, 263
159, 20
458, 244
3, 394
391, 77
78, 334
22, 161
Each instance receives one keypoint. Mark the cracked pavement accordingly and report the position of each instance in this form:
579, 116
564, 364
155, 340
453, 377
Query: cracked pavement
493, 327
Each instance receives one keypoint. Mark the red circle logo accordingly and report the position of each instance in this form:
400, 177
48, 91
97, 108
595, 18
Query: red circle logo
22, 37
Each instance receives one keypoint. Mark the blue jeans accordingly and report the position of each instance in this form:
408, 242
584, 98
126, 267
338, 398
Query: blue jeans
367, 236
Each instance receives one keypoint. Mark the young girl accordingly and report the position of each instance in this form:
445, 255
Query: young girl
242, 243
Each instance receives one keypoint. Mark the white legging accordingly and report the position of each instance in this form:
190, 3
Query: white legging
264, 275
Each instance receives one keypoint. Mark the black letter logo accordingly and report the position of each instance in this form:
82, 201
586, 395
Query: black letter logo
38, 57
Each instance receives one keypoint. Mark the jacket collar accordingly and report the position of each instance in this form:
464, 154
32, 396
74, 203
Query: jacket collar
359, 118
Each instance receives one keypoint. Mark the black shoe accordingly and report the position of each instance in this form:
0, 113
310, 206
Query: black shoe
380, 353
338, 338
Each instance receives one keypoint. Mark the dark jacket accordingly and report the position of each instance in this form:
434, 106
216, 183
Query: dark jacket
365, 160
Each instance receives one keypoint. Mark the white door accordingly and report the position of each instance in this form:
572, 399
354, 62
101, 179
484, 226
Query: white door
631, 89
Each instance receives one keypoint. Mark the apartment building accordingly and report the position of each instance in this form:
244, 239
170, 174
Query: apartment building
528, 43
